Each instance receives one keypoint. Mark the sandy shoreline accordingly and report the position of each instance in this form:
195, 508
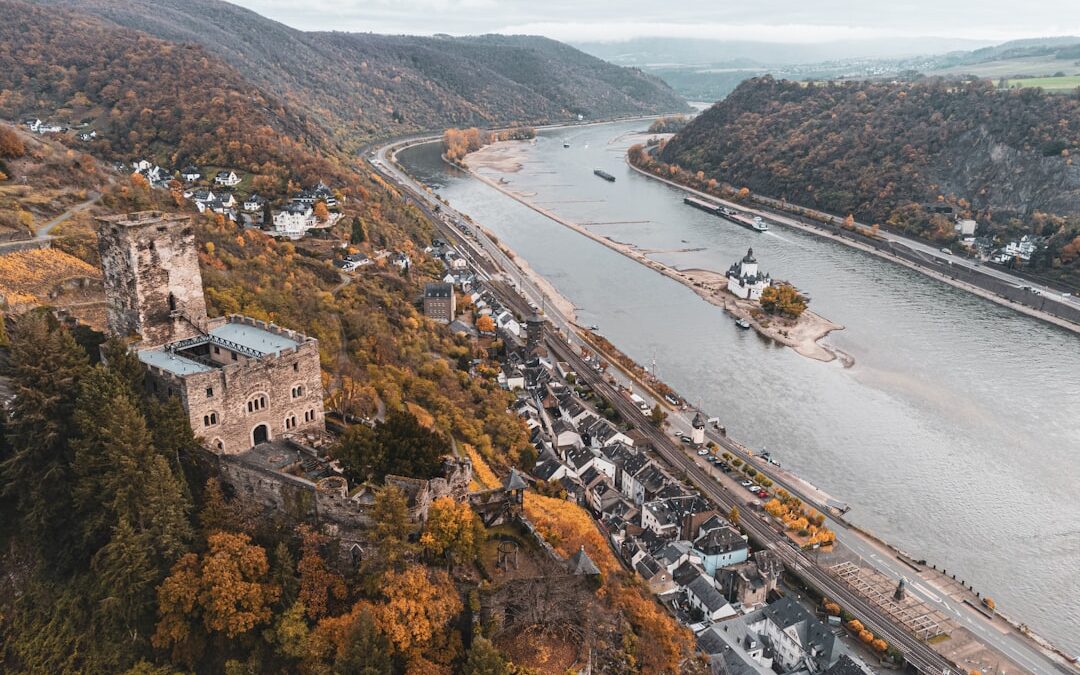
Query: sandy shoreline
803, 336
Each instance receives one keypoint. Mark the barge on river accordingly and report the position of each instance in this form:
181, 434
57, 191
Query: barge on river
605, 175
757, 224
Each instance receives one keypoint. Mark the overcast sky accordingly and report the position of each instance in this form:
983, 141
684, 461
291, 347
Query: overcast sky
611, 20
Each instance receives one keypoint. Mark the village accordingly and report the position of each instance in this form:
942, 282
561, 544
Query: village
692, 557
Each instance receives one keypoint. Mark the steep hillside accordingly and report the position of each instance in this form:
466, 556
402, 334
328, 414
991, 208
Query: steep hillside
876, 149
360, 85
148, 97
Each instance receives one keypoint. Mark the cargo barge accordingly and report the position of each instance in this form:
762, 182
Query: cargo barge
757, 224
605, 175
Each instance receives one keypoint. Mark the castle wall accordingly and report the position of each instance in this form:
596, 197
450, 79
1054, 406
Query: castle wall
151, 274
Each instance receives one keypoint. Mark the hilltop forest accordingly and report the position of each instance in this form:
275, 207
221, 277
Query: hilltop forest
878, 150
361, 85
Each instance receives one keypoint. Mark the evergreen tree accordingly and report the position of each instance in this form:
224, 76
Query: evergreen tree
126, 577
46, 369
366, 651
163, 511
391, 526
484, 659
358, 235
125, 364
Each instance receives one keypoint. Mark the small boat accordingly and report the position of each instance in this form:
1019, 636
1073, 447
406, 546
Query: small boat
594, 327
566, 144
760, 225
605, 175
742, 323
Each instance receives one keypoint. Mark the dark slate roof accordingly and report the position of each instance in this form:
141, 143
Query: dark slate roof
845, 665
699, 421
709, 596
582, 564
720, 540
546, 469
579, 457
647, 567
514, 481
438, 290
685, 573
787, 612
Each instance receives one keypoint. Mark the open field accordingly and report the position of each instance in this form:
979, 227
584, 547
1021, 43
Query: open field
1067, 83
1035, 66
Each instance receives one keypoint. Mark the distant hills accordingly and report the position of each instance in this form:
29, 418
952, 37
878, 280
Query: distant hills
360, 85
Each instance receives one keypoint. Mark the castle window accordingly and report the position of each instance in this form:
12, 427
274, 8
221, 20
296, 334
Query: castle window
290, 422
257, 403
296, 367
233, 355
209, 392
217, 350
210, 420
219, 444
298, 391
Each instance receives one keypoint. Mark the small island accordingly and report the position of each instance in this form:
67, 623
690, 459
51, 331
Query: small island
776, 309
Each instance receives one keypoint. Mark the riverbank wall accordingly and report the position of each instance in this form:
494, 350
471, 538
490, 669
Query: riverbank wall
1050, 309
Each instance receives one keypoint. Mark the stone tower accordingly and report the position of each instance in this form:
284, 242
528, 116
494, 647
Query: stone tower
152, 282
534, 335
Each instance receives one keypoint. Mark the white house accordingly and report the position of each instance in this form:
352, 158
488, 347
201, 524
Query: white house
294, 221
794, 633
745, 280
227, 178
506, 321
965, 227
701, 595
1022, 249
254, 203
190, 173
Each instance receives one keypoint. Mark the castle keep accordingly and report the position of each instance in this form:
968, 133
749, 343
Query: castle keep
242, 382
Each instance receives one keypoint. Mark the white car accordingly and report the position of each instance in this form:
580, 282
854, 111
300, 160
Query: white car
702, 453
746, 483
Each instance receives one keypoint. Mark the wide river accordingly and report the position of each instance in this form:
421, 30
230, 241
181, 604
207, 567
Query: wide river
956, 435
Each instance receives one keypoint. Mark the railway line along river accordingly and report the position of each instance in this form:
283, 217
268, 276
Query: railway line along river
955, 436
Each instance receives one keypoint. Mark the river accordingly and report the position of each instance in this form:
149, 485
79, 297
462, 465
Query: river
956, 435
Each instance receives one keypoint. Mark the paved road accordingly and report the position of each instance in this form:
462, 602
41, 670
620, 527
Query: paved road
487, 257
44, 232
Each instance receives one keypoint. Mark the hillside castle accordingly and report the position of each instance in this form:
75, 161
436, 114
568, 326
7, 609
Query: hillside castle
252, 390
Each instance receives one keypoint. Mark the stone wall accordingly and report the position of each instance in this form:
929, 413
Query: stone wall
223, 393
151, 273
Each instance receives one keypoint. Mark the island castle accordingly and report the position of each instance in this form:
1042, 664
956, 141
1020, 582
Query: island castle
252, 391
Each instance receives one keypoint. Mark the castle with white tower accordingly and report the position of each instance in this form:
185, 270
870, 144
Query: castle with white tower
745, 280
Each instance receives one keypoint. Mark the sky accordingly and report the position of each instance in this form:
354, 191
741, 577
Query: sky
786, 21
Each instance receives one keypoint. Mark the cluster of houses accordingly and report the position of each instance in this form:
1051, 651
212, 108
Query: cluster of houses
38, 127
216, 195
354, 261
686, 552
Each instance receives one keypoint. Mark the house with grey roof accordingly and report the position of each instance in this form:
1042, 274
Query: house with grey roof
702, 596
719, 547
798, 639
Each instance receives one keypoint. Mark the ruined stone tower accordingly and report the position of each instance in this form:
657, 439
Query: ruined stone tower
152, 281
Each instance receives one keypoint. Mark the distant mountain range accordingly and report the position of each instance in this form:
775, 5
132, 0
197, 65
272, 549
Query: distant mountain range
361, 85
706, 70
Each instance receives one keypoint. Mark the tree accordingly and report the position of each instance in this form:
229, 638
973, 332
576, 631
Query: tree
783, 299
400, 445
366, 651
392, 525
46, 367
484, 659
222, 591
317, 582
267, 216
417, 607
358, 234
11, 146
657, 416
322, 214
453, 529
485, 324
125, 575
733, 515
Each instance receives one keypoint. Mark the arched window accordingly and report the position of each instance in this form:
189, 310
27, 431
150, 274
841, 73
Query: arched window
298, 391
290, 422
210, 419
256, 403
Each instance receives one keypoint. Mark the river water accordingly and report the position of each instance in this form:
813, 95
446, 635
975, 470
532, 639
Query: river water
956, 435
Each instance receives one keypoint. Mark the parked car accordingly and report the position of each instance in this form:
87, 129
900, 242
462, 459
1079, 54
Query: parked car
762, 493
702, 452
671, 399
746, 483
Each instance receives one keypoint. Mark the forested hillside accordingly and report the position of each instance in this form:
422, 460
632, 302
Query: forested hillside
360, 84
877, 150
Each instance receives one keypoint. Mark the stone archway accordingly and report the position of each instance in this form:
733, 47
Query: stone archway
260, 434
